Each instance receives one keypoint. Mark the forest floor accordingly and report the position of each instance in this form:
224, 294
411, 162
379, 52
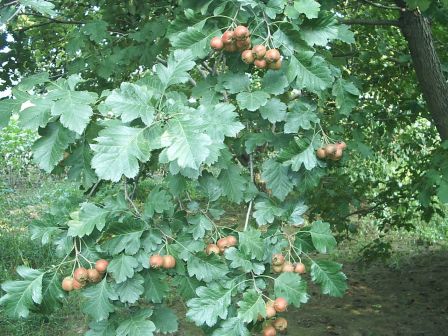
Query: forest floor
405, 295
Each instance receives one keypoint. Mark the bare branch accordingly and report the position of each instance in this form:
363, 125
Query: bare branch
370, 22
378, 5
9, 4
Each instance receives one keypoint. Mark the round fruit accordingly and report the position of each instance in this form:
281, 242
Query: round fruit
259, 51
341, 144
169, 261
280, 324
232, 241
287, 267
272, 55
216, 43
227, 37
278, 259
247, 56
270, 310
93, 275
212, 248
337, 155
276, 65
241, 45
269, 331
81, 274
280, 304
277, 269
247, 42
230, 47
156, 261
67, 284
299, 268
101, 265
320, 153
241, 32
260, 63
77, 284
222, 243
330, 150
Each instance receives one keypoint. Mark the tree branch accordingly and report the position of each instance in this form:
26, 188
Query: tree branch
50, 22
9, 4
374, 4
370, 22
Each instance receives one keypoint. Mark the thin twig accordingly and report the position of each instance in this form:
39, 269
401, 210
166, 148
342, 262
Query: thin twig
378, 5
249, 209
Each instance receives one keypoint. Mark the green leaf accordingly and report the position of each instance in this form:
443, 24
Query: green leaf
41, 6
29, 82
322, 237
345, 34
118, 150
239, 260
307, 158
252, 101
22, 295
314, 77
195, 39
184, 142
320, 31
442, 192
265, 212
274, 110
235, 82
274, 82
346, 94
158, 201
212, 303
301, 116
90, 216
8, 106
101, 328
132, 101
48, 150
130, 290
310, 8
329, 276
251, 306
36, 115
137, 325
80, 166
232, 183
201, 225
303, 242
221, 121
124, 237
156, 286
251, 243
276, 176
97, 303
423, 5
206, 268
232, 327
165, 320
176, 70
186, 286
52, 293
72, 106
122, 267
296, 218
291, 287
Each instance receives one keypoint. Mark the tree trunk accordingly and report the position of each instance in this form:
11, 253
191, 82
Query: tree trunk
417, 31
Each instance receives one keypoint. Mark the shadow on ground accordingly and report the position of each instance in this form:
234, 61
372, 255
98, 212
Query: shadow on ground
381, 302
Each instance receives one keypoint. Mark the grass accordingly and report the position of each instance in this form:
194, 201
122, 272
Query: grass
18, 207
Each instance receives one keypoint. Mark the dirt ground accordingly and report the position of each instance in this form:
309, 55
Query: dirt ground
382, 302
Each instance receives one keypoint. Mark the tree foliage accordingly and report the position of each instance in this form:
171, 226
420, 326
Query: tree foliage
189, 145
